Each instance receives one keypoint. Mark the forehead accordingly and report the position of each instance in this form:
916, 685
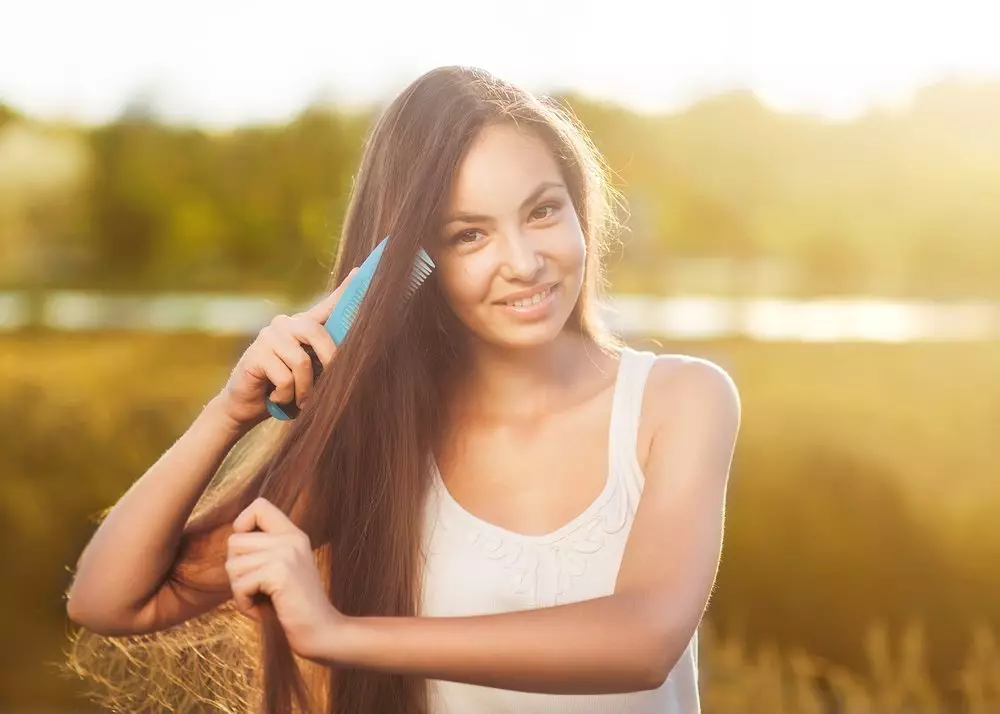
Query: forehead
503, 165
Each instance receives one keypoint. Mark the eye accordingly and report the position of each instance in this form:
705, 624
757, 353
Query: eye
466, 237
544, 211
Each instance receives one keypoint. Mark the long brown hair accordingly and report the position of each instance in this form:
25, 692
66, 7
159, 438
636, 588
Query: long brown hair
352, 469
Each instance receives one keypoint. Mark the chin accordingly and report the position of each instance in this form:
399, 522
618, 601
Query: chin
525, 338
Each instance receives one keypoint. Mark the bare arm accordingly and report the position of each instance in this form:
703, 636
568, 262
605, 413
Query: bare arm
122, 584
627, 641
118, 588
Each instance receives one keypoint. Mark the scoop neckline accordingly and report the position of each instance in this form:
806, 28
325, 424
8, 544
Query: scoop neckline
610, 481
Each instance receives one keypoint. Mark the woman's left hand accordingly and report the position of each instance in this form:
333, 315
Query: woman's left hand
269, 554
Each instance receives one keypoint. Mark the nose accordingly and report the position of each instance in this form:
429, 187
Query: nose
520, 260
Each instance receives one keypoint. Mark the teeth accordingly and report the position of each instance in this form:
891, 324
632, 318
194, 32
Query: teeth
533, 300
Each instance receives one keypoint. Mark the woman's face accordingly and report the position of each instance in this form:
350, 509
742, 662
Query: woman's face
511, 253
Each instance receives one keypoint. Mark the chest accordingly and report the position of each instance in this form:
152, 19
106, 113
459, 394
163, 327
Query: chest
474, 567
520, 519
531, 478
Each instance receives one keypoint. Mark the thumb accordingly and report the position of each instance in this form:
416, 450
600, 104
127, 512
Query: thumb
320, 312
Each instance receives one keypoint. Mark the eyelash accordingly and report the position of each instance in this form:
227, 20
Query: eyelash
554, 205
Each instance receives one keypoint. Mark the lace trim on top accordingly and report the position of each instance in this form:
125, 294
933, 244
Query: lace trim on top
543, 567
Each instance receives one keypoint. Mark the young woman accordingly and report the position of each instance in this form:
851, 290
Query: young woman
487, 504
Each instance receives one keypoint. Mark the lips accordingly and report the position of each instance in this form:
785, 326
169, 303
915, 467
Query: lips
529, 301
528, 297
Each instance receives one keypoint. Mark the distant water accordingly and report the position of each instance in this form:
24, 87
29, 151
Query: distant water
854, 319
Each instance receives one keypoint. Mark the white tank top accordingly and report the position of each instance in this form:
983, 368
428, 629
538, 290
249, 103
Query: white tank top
474, 567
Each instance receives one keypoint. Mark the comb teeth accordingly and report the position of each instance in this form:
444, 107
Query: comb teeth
423, 266
346, 311
352, 307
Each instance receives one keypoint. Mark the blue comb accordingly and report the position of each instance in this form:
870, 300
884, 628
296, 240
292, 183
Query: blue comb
346, 310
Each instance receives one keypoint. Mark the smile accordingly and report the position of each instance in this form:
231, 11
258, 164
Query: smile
531, 308
531, 301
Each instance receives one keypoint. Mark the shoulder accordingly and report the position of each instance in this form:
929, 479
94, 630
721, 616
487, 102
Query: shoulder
683, 388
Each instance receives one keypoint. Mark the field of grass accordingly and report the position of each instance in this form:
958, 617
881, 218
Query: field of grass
861, 556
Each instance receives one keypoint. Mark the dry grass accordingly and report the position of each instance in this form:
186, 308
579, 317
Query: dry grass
897, 679
200, 670
864, 492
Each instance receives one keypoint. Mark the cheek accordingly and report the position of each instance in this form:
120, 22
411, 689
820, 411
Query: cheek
580, 250
466, 282
572, 251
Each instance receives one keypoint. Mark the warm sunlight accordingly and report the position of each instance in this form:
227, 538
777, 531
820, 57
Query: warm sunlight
802, 193
233, 62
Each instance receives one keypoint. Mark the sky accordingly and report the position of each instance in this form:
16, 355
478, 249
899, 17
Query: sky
223, 63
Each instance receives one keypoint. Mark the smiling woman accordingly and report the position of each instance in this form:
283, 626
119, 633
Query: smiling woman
488, 502
512, 250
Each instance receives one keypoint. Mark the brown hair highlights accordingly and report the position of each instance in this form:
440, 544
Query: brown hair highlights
352, 469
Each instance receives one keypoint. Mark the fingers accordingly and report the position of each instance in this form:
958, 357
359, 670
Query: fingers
287, 337
304, 329
288, 354
277, 373
242, 543
250, 566
280, 544
245, 587
264, 515
298, 362
238, 566
320, 312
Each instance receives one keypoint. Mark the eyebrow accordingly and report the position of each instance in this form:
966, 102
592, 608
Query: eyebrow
480, 218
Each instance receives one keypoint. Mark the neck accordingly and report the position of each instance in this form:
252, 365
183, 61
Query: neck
505, 383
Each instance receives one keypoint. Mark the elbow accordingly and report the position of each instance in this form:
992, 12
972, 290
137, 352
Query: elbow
661, 650
85, 615
80, 614
97, 619
641, 663
655, 640
81, 608
100, 624
635, 663
655, 674
655, 669
76, 610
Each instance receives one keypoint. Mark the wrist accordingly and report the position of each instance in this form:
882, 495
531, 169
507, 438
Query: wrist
215, 412
339, 641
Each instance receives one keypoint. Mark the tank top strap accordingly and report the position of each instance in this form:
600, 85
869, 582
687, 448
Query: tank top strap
633, 371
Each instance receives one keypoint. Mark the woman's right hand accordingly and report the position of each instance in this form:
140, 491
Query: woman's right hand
277, 365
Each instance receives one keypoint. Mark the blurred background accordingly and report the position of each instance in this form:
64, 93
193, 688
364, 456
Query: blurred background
814, 197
